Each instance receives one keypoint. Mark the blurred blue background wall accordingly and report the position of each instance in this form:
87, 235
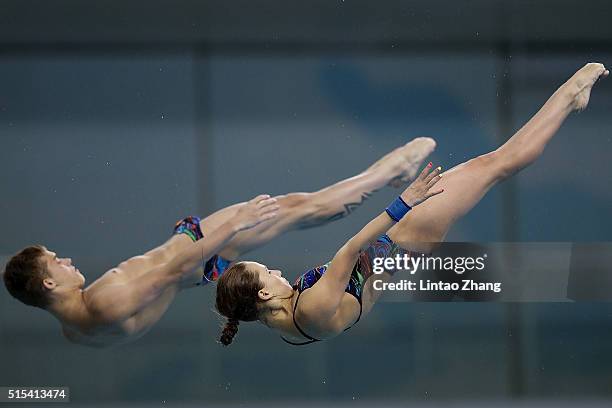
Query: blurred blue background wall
118, 118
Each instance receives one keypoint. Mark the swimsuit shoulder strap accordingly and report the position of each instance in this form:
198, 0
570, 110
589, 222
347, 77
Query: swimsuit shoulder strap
302, 332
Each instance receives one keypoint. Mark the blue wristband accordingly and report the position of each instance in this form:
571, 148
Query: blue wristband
397, 209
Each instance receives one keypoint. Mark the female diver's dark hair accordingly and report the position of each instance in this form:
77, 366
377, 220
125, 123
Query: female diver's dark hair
237, 299
229, 331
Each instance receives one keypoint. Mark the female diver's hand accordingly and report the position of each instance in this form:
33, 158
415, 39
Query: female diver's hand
259, 209
421, 188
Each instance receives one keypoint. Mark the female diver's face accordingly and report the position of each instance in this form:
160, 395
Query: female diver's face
272, 280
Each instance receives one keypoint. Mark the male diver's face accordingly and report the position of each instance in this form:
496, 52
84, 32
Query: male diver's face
272, 279
62, 272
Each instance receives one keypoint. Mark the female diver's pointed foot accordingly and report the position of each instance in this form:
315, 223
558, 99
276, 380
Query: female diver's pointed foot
581, 83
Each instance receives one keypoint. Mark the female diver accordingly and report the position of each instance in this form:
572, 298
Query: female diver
331, 298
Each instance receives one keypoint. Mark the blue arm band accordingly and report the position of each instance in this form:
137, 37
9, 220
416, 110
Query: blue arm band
397, 209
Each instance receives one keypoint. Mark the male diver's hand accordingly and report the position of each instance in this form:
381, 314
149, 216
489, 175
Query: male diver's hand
422, 187
259, 209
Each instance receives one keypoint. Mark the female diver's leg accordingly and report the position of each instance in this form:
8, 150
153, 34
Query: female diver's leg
467, 183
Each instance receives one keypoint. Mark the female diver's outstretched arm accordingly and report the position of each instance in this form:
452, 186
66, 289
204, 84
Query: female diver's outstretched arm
325, 297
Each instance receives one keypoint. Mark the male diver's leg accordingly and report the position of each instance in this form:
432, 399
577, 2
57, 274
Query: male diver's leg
307, 210
467, 183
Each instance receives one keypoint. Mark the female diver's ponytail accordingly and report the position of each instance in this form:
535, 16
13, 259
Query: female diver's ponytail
229, 331
237, 299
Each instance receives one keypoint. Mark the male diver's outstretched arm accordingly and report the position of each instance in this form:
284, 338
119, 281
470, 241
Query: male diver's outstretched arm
118, 302
331, 287
255, 212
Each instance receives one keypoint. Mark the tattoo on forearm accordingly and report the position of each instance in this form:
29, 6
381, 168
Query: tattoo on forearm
349, 208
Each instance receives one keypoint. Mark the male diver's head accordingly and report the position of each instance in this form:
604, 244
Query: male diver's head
249, 291
36, 276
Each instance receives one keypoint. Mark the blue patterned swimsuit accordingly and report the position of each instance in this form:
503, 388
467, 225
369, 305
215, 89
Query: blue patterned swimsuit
363, 269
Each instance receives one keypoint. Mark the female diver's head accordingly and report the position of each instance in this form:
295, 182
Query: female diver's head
249, 291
